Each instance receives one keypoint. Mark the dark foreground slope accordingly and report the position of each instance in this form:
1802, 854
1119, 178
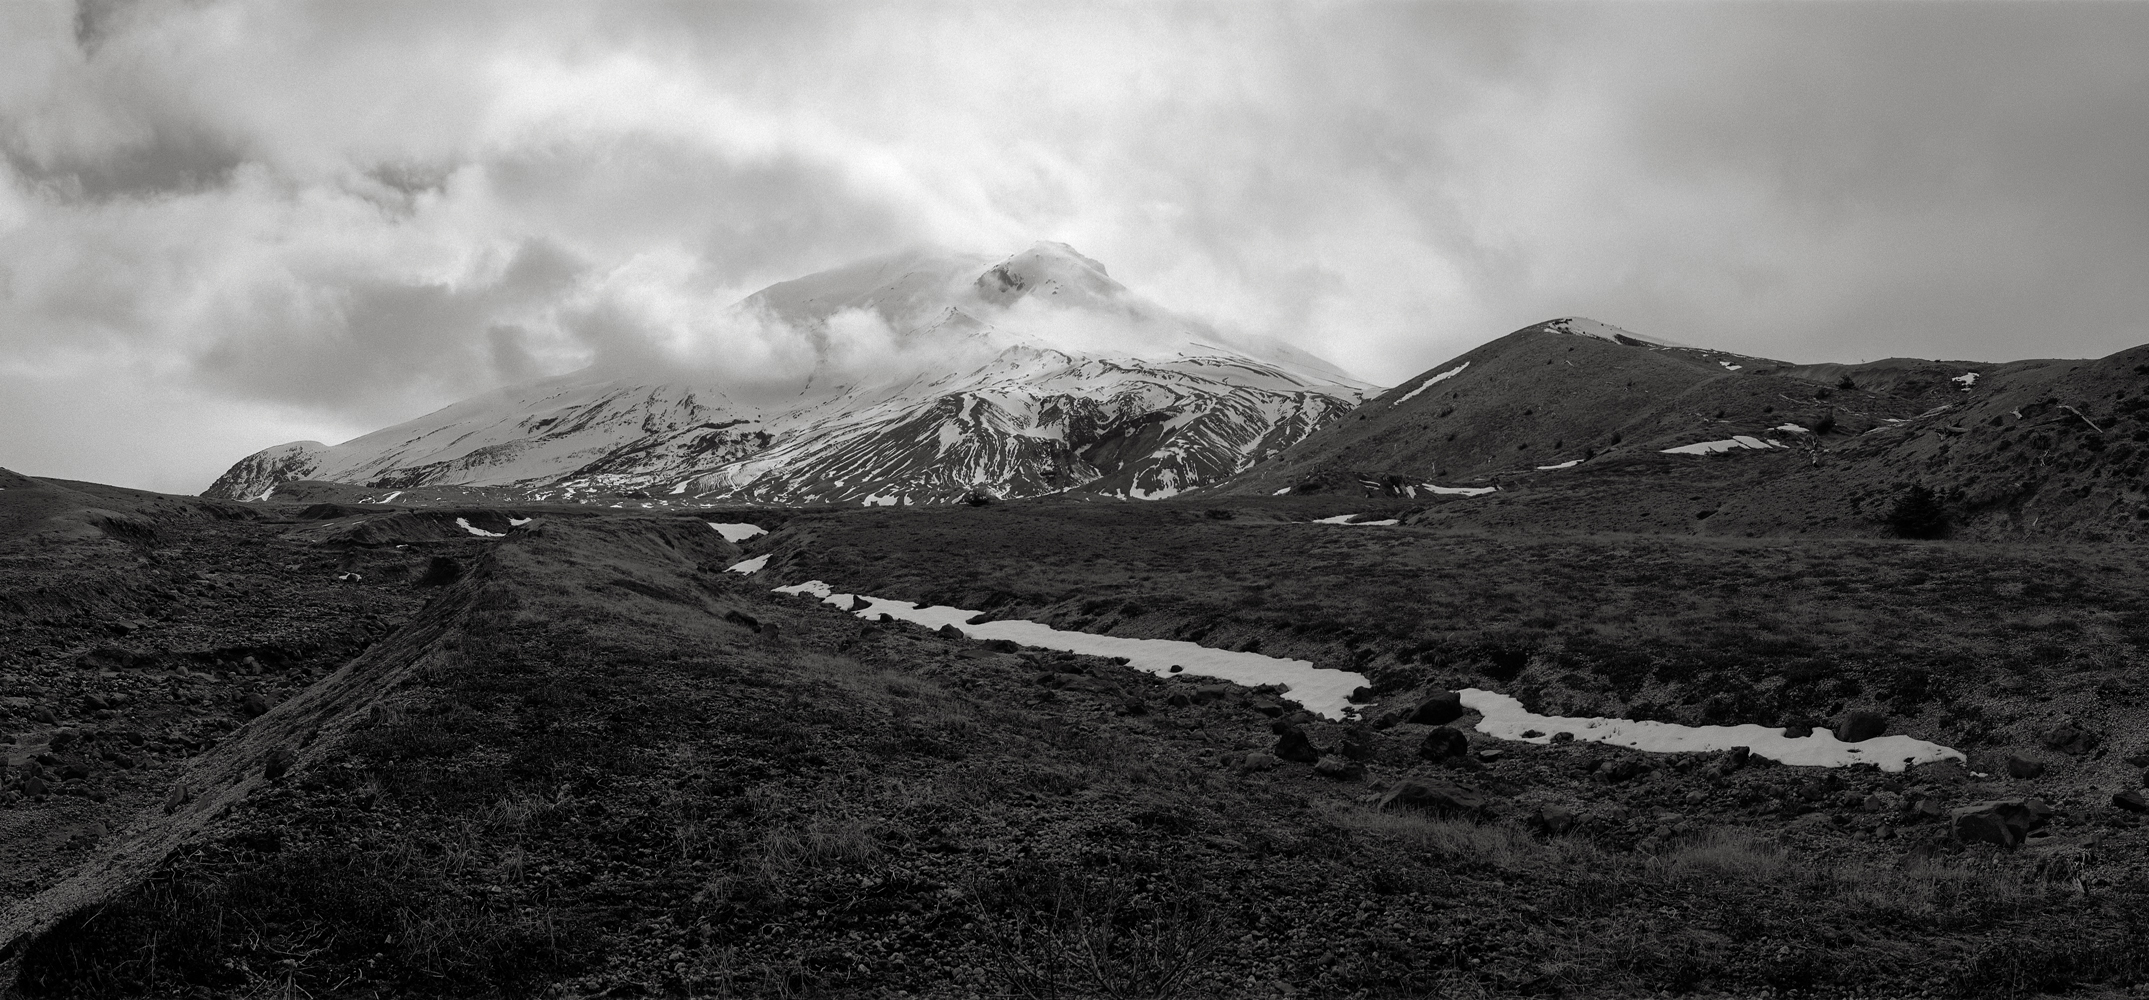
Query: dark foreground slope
596, 763
1573, 430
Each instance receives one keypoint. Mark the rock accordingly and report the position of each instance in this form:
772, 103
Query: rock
2137, 759
1861, 726
1440, 709
1178, 699
1444, 742
1560, 739
1616, 771
1554, 820
2069, 738
1267, 706
2005, 822
1435, 797
179, 795
2026, 770
859, 603
744, 620
1293, 745
2131, 800
33, 786
1488, 756
1359, 743
279, 763
1339, 768
1733, 759
254, 705
950, 631
1260, 761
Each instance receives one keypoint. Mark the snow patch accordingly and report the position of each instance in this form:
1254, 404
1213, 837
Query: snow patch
1346, 519
1323, 692
749, 565
1281, 492
1429, 383
1728, 366
1568, 464
390, 498
1504, 717
1790, 429
517, 522
736, 532
1967, 379
480, 532
1734, 443
1460, 491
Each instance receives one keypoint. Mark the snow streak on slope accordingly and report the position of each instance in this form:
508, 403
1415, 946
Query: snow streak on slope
1072, 383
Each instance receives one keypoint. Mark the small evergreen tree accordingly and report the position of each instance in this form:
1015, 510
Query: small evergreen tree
1917, 514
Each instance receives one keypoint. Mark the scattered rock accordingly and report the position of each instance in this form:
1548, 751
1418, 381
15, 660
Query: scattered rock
1734, 759
33, 786
1614, 772
1444, 742
1562, 739
1260, 761
2131, 800
1339, 768
1488, 756
1359, 743
179, 795
1292, 744
1435, 797
2006, 822
1861, 726
254, 705
2018, 767
1440, 709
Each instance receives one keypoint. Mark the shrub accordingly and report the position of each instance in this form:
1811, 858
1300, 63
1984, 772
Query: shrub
1917, 514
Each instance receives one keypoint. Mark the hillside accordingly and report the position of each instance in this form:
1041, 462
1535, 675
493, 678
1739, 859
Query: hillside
937, 375
1577, 425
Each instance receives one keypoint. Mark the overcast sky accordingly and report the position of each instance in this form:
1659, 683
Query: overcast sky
225, 225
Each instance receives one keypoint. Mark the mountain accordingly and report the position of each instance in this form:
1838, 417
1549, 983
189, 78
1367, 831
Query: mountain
1575, 423
936, 374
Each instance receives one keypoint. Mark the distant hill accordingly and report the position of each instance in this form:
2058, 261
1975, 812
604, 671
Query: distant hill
1573, 423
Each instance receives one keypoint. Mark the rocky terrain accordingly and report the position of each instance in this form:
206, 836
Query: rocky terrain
340, 749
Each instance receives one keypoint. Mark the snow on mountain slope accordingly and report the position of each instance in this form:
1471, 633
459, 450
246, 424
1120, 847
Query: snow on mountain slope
1035, 374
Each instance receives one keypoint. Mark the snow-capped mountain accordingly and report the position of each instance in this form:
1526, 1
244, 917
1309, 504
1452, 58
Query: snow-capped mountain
936, 374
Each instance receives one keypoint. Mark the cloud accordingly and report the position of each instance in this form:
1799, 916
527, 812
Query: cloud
299, 219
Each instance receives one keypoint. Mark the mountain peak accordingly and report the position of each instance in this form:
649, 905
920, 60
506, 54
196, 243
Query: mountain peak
1053, 272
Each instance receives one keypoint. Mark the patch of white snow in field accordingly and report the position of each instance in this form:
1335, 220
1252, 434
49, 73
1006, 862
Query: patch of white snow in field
1967, 379
390, 498
1568, 464
480, 532
1736, 442
1323, 692
681, 488
1462, 491
1346, 519
1790, 429
736, 532
749, 565
1161, 493
1429, 383
1505, 718
876, 500
1281, 492
265, 494
1728, 366
517, 522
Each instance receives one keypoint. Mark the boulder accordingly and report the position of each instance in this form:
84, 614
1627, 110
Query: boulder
1292, 744
1437, 797
2131, 800
1260, 761
2069, 738
1861, 726
2005, 822
1359, 743
278, 763
2018, 767
1444, 742
1553, 820
1440, 709
254, 705
1339, 768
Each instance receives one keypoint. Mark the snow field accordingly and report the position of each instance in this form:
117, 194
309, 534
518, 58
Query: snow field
1504, 717
749, 565
1324, 692
1435, 380
736, 532
1568, 464
1346, 519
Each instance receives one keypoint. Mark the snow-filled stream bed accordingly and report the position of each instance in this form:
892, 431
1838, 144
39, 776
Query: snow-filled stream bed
1505, 718
1323, 692
1327, 692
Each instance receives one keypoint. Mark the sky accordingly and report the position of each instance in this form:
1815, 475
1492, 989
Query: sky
225, 225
